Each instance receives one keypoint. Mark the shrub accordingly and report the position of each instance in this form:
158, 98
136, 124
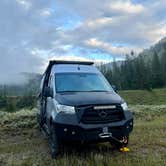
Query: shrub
3, 101
26, 102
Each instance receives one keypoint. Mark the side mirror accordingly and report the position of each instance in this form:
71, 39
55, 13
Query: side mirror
48, 92
115, 88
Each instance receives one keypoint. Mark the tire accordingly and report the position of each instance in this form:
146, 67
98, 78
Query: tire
118, 145
54, 145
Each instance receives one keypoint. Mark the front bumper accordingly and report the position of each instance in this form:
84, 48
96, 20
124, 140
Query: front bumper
68, 128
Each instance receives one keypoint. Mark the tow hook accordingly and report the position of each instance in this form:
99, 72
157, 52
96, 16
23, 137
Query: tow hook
105, 135
124, 140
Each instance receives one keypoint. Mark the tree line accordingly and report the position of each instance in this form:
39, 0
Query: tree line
141, 72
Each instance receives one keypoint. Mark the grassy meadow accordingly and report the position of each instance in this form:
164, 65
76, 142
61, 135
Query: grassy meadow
21, 142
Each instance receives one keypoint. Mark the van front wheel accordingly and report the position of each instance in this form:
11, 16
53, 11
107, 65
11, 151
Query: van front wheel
53, 142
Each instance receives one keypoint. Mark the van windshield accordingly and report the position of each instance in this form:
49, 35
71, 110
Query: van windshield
81, 82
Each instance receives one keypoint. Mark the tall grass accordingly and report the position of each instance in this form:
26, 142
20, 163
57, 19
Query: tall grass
21, 143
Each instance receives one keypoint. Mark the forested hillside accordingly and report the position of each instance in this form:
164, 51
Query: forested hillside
145, 71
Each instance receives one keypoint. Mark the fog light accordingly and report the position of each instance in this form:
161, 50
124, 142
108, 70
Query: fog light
65, 129
127, 127
73, 133
131, 123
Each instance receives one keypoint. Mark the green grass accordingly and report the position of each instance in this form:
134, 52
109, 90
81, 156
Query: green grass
155, 97
133, 97
21, 143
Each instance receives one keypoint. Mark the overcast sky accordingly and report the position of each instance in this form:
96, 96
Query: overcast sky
33, 31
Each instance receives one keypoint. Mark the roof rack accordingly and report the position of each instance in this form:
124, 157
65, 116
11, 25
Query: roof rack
71, 62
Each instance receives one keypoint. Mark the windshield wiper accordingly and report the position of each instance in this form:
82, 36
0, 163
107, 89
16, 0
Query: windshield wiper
97, 91
68, 91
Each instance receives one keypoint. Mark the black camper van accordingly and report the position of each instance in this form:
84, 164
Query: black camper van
76, 103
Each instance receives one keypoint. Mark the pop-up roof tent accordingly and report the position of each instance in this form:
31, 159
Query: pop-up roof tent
54, 62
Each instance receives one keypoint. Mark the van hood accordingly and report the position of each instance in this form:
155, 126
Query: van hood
88, 98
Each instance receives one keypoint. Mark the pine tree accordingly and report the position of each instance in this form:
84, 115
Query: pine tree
157, 77
115, 74
162, 54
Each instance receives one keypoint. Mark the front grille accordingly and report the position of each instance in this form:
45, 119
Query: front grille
90, 115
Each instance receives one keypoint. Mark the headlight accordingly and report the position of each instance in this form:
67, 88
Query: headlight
124, 106
65, 109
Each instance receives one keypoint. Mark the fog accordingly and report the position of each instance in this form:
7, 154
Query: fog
14, 62
32, 32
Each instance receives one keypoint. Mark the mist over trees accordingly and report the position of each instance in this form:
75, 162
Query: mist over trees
29, 87
146, 71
